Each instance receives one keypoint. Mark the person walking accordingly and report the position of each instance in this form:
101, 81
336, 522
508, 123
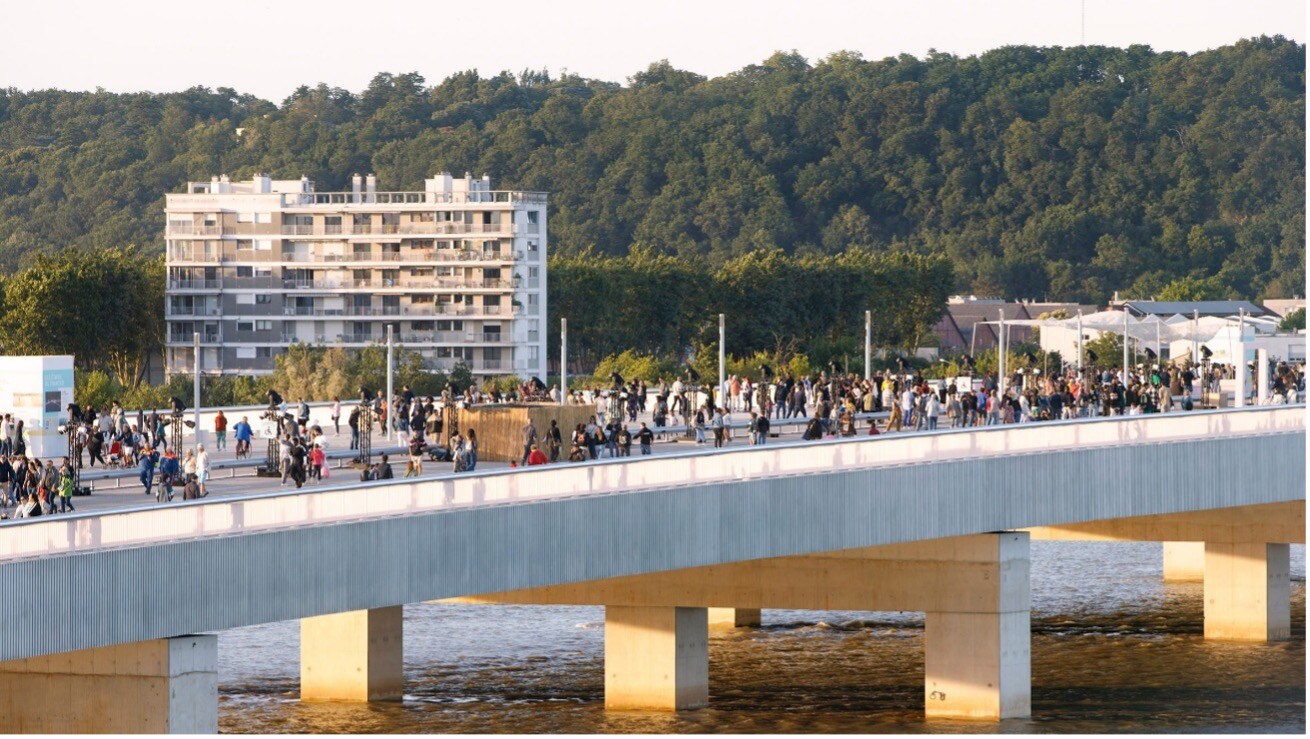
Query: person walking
719, 424
220, 431
336, 414
148, 461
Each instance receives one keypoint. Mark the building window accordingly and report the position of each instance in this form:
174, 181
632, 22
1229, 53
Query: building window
420, 325
263, 299
245, 272
263, 325
263, 245
533, 216
416, 299
245, 326
263, 352
245, 352
450, 325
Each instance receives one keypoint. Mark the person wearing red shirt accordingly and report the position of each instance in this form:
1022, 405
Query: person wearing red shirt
536, 456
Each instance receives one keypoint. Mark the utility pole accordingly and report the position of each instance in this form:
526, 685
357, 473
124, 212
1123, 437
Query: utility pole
563, 361
391, 396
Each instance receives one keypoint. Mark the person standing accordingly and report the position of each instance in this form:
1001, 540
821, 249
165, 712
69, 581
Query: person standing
720, 428
168, 468
528, 435
471, 445
202, 469
66, 487
932, 409
554, 440
336, 414
220, 431
645, 437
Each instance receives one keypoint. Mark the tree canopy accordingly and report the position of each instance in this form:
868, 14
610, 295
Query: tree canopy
1060, 173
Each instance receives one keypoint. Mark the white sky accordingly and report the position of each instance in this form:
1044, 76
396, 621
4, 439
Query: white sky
268, 48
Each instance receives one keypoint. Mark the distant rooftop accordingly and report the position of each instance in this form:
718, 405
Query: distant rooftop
443, 188
1219, 308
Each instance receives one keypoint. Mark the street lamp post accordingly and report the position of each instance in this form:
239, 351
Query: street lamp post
723, 402
868, 344
391, 404
563, 361
195, 386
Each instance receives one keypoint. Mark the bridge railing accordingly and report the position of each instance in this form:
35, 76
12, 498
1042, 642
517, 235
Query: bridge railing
356, 501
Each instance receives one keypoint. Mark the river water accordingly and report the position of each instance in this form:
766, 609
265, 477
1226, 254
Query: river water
1114, 649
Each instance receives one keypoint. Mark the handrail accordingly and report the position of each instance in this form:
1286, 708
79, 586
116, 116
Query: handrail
344, 503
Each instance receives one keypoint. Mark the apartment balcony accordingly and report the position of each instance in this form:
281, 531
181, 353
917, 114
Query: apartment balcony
188, 337
190, 229
186, 284
194, 254
511, 197
193, 310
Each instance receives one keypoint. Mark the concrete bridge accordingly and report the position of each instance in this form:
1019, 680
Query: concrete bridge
104, 613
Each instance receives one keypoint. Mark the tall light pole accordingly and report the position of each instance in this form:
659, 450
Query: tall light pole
1125, 345
1196, 328
1080, 346
195, 387
723, 402
391, 397
563, 361
1000, 356
868, 344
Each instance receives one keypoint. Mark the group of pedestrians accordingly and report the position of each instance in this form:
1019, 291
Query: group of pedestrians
29, 488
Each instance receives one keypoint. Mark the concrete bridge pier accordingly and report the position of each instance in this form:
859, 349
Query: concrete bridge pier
1247, 591
353, 656
160, 686
734, 618
656, 657
1184, 561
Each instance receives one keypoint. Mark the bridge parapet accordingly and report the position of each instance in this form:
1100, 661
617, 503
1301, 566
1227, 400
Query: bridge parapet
80, 533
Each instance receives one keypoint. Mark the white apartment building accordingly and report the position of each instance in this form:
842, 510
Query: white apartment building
458, 270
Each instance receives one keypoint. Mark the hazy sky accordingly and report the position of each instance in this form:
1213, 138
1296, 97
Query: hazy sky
268, 48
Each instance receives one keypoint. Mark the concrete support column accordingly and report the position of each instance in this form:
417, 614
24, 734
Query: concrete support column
977, 659
734, 618
160, 686
656, 658
1184, 561
1247, 591
353, 656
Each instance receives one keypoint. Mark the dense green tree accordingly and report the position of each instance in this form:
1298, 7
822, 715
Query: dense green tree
1063, 173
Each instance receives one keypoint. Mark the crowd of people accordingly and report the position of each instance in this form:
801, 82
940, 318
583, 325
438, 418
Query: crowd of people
828, 402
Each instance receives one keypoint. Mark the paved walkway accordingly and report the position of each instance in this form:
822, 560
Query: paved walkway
125, 491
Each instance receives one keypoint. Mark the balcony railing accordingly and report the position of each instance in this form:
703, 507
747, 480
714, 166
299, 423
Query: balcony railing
193, 254
513, 197
195, 284
195, 310
192, 229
